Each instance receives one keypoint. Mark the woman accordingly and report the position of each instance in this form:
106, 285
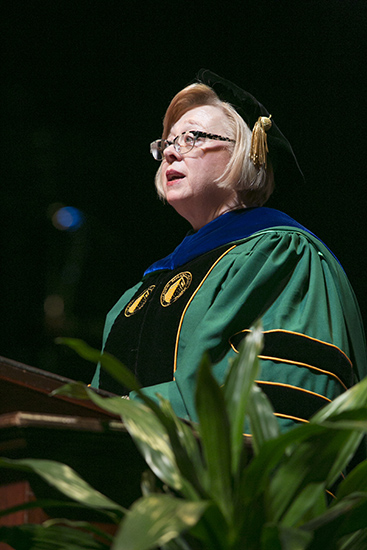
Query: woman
242, 261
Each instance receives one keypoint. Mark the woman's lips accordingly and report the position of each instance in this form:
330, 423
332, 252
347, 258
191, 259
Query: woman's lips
172, 176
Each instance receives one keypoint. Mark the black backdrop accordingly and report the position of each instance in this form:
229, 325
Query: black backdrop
84, 86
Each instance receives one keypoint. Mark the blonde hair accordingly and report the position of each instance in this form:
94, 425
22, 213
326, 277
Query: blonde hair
253, 186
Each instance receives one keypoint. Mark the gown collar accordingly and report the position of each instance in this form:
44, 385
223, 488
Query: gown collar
229, 227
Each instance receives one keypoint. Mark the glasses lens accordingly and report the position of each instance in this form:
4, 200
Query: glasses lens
185, 142
156, 149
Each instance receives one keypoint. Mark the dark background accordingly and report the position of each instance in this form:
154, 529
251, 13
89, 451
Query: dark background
84, 87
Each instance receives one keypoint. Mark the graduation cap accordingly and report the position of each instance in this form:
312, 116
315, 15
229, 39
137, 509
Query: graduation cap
266, 136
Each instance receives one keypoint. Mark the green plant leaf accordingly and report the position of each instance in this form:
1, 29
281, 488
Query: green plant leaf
355, 482
255, 477
237, 387
350, 441
264, 425
267, 503
185, 433
212, 528
86, 526
54, 537
149, 435
338, 511
354, 398
66, 480
214, 431
125, 377
311, 502
355, 541
168, 457
76, 390
186, 448
155, 520
48, 504
343, 519
319, 459
352, 419
112, 365
249, 523
278, 537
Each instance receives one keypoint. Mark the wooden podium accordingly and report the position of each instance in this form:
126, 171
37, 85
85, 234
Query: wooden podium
77, 433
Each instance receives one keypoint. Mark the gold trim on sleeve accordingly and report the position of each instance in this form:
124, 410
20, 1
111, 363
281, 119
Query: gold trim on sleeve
298, 363
293, 388
290, 417
297, 334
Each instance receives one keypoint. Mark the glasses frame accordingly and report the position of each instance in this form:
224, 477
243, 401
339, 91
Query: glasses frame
157, 148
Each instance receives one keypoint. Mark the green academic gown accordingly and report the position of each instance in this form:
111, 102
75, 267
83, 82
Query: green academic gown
205, 296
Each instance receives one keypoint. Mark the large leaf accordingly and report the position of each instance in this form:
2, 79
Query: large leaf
155, 520
66, 480
93, 528
149, 435
59, 504
353, 398
112, 365
158, 436
255, 477
125, 377
349, 442
344, 518
215, 436
319, 459
309, 503
354, 419
278, 537
54, 537
249, 523
211, 529
355, 482
237, 387
355, 541
187, 451
264, 425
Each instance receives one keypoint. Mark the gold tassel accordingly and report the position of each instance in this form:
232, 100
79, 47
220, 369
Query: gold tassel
259, 142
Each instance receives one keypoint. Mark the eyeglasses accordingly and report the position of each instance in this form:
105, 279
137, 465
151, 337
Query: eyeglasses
182, 143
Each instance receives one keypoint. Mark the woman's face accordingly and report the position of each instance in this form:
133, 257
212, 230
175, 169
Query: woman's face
188, 179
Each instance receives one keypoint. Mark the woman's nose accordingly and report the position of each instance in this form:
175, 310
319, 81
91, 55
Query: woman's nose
170, 154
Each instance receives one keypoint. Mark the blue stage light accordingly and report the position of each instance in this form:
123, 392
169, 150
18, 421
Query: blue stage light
68, 218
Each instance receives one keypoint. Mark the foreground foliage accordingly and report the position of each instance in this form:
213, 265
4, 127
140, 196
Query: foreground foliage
212, 494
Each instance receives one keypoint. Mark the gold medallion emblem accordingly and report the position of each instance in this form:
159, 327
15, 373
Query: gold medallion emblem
175, 288
137, 303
